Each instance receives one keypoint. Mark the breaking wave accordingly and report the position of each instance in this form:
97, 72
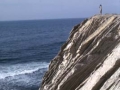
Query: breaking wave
19, 69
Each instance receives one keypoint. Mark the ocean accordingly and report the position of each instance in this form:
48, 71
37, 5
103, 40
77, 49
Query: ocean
27, 47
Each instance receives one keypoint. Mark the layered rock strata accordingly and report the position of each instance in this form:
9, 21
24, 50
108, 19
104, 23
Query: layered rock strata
89, 59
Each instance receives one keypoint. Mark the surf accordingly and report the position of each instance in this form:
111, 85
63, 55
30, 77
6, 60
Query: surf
20, 69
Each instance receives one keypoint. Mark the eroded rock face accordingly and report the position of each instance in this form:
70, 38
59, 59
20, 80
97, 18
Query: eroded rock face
90, 58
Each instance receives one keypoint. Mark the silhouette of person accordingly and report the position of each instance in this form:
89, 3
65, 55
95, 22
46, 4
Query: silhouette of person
100, 7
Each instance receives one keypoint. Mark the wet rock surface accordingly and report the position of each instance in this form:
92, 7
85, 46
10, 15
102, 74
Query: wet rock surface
90, 58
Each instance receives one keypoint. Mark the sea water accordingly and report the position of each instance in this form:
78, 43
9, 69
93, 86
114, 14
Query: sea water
26, 48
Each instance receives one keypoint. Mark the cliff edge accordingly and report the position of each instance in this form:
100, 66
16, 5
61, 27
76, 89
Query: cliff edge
89, 59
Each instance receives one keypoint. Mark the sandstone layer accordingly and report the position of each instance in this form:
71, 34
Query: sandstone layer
89, 59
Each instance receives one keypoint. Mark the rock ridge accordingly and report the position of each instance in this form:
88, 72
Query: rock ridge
89, 59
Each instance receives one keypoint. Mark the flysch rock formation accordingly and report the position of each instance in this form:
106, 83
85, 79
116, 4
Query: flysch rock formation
89, 59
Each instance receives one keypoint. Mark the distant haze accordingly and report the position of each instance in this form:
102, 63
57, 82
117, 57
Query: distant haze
53, 9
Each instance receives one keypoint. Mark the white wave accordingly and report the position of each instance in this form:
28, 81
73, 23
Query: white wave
18, 69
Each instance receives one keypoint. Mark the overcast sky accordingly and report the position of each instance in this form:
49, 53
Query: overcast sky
53, 9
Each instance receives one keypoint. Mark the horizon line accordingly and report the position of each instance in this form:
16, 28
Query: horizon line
42, 19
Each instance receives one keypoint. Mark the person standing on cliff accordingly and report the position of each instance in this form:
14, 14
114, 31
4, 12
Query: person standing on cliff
100, 7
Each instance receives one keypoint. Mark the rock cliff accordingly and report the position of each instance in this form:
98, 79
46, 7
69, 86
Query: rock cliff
89, 59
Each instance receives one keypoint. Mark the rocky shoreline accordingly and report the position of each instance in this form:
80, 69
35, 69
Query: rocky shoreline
89, 59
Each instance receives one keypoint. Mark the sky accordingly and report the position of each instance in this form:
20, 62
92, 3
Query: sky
54, 9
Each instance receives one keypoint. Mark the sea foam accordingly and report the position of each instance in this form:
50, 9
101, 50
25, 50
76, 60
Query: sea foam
19, 69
